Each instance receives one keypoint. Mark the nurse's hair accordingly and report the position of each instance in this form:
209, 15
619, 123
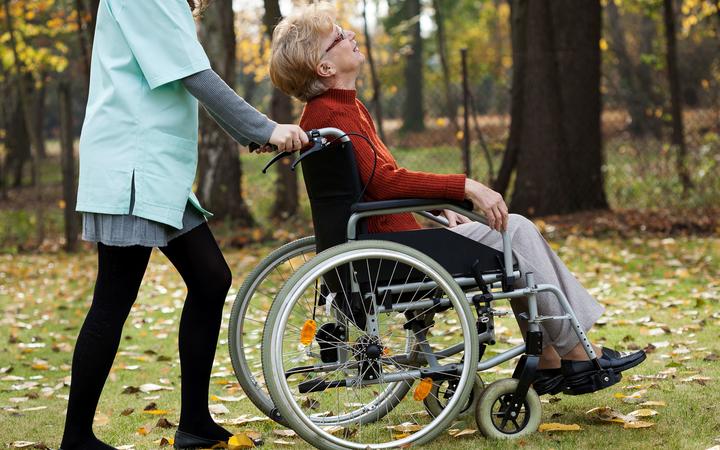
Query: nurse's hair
198, 6
297, 50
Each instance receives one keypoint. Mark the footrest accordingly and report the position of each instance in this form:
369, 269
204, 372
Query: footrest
591, 382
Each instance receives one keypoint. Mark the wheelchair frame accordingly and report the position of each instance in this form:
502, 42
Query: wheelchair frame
531, 350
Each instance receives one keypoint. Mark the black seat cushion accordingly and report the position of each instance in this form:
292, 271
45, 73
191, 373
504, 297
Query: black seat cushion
454, 252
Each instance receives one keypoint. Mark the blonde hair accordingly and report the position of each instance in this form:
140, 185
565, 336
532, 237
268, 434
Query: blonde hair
297, 50
198, 6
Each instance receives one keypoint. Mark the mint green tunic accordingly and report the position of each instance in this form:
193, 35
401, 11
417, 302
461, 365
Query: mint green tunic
141, 124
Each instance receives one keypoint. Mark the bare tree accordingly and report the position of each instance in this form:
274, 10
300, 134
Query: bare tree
519, 26
219, 165
559, 152
413, 111
286, 193
377, 95
67, 159
678, 133
450, 103
25, 95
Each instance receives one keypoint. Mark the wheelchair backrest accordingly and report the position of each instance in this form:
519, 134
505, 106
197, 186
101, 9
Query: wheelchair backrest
333, 186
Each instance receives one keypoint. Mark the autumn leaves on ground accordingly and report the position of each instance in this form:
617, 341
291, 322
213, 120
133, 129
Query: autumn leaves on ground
661, 294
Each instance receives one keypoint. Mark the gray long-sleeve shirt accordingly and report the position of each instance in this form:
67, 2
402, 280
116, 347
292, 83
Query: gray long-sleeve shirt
237, 117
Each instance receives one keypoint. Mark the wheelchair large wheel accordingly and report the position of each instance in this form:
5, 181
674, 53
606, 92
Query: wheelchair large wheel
249, 312
496, 400
374, 292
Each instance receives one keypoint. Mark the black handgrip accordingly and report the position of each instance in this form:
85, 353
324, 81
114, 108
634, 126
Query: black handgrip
318, 143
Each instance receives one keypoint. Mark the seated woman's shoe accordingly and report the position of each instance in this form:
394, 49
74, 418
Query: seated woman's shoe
582, 377
187, 441
548, 381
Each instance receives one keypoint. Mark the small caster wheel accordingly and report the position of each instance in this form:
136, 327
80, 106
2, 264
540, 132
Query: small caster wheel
436, 401
495, 400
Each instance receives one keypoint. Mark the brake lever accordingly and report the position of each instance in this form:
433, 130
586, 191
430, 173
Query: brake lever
275, 159
318, 144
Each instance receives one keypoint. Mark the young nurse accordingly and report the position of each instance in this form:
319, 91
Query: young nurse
138, 157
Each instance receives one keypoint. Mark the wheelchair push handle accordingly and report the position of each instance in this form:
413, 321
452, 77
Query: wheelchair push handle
319, 140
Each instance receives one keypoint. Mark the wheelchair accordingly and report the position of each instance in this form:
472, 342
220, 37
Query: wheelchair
377, 339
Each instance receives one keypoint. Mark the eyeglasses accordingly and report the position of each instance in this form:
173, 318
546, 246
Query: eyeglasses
340, 37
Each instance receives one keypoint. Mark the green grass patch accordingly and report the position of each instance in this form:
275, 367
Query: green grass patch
657, 291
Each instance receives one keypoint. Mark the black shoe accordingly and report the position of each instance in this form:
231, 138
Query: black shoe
548, 381
582, 377
610, 359
187, 441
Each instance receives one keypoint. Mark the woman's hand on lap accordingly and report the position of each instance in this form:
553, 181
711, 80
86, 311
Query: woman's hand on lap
454, 219
489, 202
288, 138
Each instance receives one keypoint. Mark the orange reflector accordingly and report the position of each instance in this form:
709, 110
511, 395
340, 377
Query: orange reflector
423, 389
307, 334
387, 351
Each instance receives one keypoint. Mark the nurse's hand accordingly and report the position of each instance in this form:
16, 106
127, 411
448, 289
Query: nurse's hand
288, 138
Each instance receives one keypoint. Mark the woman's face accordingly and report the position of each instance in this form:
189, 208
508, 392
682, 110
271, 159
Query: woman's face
343, 52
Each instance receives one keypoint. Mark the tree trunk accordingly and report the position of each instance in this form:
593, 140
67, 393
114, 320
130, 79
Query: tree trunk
39, 111
219, 166
286, 192
451, 104
518, 24
67, 158
558, 167
377, 95
413, 112
637, 98
26, 100
4, 124
678, 133
18, 144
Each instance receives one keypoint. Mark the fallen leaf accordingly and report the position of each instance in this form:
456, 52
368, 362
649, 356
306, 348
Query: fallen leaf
458, 433
546, 427
645, 412
638, 424
164, 423
156, 412
101, 419
653, 403
219, 409
285, 433
240, 441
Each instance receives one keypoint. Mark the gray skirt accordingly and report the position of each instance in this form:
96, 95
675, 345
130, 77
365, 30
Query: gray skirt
122, 230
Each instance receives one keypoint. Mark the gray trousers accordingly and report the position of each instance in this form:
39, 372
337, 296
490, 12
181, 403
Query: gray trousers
533, 254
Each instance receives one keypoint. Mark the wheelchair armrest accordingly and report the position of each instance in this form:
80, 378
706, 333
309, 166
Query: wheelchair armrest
407, 203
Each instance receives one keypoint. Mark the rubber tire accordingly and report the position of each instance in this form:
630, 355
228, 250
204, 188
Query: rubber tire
483, 410
274, 378
257, 395
434, 408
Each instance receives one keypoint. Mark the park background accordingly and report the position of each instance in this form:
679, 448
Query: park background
598, 119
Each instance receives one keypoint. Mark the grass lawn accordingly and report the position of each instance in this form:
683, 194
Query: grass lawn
660, 293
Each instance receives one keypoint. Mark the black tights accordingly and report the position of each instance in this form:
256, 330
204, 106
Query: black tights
199, 261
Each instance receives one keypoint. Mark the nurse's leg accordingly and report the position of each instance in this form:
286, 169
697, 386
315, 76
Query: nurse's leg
120, 271
202, 266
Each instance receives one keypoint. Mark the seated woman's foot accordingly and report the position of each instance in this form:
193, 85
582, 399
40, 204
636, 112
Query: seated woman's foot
548, 381
205, 436
580, 375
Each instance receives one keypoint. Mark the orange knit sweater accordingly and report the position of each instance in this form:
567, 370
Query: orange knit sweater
341, 109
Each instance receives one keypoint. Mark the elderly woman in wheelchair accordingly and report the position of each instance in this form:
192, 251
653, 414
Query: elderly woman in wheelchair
386, 306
